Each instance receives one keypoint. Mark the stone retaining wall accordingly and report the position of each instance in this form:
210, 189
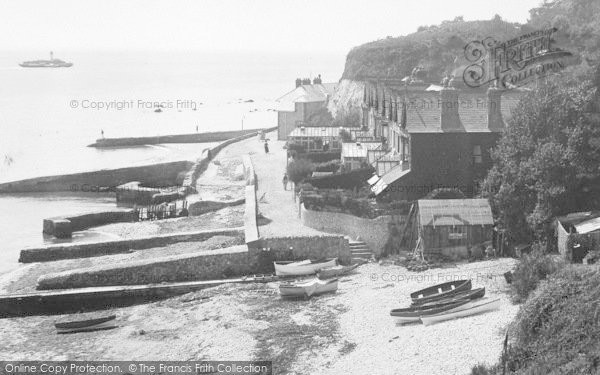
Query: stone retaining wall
374, 232
86, 250
304, 247
202, 207
210, 265
207, 265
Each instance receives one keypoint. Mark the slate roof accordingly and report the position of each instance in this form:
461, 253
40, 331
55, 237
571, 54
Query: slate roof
438, 212
424, 110
306, 94
358, 149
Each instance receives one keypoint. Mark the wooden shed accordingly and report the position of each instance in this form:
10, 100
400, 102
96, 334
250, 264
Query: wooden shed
450, 227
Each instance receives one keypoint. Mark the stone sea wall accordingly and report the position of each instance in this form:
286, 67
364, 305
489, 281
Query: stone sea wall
163, 174
175, 138
64, 226
210, 265
92, 249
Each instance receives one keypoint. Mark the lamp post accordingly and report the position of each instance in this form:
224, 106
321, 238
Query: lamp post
243, 117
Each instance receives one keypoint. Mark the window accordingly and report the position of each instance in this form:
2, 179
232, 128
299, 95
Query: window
477, 154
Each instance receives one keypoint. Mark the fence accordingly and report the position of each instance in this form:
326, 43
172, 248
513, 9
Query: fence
161, 211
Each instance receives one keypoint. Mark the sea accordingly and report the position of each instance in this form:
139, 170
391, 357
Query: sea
49, 116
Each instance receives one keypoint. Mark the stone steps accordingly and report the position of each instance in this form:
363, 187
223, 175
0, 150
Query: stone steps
359, 249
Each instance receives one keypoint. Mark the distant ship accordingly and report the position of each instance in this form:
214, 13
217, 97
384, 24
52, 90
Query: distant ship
52, 63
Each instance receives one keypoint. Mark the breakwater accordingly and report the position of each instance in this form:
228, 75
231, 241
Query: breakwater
176, 138
163, 174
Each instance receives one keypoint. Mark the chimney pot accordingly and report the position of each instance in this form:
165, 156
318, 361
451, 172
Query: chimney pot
494, 108
449, 118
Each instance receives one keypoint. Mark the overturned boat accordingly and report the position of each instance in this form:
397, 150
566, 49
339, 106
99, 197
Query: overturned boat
304, 267
440, 291
308, 288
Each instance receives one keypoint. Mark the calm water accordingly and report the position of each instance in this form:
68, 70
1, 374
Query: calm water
48, 116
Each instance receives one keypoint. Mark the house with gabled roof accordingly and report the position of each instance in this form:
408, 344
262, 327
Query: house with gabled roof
296, 107
435, 136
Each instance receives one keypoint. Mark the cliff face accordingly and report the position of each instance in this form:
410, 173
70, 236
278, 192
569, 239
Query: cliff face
437, 49
347, 97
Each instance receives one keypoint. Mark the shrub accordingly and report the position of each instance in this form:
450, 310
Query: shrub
557, 329
531, 269
445, 193
319, 157
299, 169
348, 180
330, 166
345, 135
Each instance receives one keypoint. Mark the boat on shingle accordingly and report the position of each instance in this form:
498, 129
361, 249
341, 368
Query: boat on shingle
471, 308
413, 314
307, 289
304, 267
440, 291
467, 295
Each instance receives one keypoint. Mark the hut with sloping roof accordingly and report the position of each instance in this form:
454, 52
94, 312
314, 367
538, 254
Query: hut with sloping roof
451, 227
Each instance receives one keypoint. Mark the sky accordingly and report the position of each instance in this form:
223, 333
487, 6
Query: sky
230, 25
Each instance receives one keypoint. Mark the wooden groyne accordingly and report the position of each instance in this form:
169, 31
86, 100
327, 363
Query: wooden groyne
176, 138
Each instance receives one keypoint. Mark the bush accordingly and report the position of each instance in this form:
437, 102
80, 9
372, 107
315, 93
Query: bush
445, 193
299, 169
330, 166
557, 329
319, 157
531, 269
348, 180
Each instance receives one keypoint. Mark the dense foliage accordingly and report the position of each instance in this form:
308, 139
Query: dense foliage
578, 26
531, 269
354, 179
299, 169
547, 162
557, 329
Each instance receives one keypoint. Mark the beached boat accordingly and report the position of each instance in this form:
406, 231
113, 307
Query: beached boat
468, 295
440, 291
304, 267
413, 314
86, 325
468, 309
329, 272
308, 288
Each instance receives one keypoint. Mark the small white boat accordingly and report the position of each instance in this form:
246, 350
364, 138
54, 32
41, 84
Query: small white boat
305, 267
468, 309
329, 272
308, 288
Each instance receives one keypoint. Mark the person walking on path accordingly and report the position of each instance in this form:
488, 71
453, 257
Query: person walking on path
266, 147
285, 181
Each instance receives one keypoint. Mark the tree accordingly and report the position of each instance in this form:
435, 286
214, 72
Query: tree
547, 162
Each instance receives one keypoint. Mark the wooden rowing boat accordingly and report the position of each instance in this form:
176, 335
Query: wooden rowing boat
468, 309
413, 314
86, 325
308, 288
305, 267
336, 271
468, 295
440, 291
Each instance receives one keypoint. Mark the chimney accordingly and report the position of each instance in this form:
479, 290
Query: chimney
449, 119
494, 108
